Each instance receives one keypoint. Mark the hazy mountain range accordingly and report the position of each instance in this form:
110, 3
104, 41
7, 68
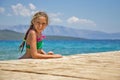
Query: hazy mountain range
55, 30
10, 35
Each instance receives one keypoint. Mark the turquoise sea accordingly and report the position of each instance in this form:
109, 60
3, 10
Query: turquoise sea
9, 48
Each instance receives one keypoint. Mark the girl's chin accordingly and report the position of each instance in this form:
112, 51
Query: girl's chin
39, 31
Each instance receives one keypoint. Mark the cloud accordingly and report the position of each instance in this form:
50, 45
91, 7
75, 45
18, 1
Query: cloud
75, 20
32, 7
55, 18
22, 10
2, 9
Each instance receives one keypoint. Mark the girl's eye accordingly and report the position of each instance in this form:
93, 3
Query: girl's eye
41, 23
38, 23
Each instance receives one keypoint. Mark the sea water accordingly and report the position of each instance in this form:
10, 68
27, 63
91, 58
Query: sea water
9, 48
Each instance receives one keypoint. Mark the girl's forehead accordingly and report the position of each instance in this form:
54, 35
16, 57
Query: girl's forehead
41, 18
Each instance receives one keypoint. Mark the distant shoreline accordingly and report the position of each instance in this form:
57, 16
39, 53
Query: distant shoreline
12, 35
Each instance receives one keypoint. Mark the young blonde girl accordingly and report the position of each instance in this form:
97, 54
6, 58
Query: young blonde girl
33, 39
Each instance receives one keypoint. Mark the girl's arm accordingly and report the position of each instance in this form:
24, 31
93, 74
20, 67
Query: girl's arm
33, 49
41, 51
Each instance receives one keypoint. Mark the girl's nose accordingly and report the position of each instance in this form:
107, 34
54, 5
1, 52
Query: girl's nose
40, 25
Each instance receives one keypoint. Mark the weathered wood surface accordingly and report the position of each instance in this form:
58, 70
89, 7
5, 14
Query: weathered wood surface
100, 66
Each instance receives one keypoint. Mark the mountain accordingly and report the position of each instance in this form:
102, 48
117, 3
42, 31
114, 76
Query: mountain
55, 30
87, 34
16, 28
10, 35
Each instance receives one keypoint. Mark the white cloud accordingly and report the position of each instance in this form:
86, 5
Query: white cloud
2, 9
75, 20
55, 17
22, 10
32, 7
56, 20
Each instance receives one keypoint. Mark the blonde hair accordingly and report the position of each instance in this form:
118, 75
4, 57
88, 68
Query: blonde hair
36, 15
39, 14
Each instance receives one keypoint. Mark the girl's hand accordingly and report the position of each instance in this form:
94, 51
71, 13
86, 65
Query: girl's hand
54, 55
50, 53
58, 56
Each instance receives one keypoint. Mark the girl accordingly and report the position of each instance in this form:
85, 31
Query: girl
33, 39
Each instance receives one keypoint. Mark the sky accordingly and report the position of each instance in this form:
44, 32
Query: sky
97, 15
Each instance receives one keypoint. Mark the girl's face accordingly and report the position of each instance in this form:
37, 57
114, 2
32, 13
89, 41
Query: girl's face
40, 24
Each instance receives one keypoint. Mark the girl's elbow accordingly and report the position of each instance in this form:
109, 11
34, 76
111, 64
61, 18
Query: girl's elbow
34, 56
37, 56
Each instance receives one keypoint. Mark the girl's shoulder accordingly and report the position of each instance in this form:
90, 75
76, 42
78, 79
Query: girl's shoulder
32, 33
